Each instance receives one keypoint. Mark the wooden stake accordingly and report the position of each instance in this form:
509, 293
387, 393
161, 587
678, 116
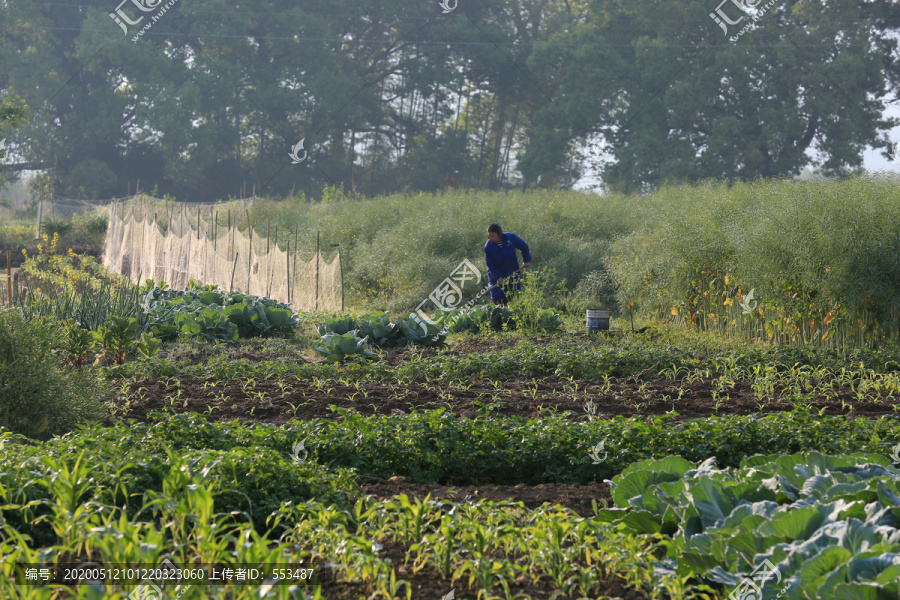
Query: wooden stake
233, 269
198, 223
318, 259
341, 265
9, 275
268, 264
288, 270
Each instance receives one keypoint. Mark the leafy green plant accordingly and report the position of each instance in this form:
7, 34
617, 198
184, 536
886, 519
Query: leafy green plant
39, 395
415, 331
527, 306
148, 346
828, 524
118, 338
215, 315
51, 226
77, 343
339, 325
379, 329
336, 347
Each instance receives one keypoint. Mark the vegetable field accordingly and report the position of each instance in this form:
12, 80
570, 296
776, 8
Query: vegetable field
197, 443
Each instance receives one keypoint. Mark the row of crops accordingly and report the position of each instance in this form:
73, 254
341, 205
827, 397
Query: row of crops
788, 505
825, 526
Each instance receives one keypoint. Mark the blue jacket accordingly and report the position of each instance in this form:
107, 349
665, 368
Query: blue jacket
501, 262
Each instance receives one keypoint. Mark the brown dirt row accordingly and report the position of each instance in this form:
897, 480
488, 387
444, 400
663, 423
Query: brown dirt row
278, 402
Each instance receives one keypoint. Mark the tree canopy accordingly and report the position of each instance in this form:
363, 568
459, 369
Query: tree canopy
212, 97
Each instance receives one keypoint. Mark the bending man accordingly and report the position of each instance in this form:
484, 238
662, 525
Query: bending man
503, 262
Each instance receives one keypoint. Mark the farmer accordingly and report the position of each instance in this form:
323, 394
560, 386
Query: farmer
502, 262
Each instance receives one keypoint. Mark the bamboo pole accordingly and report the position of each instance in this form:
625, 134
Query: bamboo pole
288, 271
341, 265
275, 237
268, 264
233, 269
249, 255
318, 260
9, 276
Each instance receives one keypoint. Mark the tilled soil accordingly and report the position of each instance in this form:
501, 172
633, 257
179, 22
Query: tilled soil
575, 497
278, 402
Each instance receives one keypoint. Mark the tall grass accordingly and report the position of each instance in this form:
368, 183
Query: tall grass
397, 248
822, 257
89, 306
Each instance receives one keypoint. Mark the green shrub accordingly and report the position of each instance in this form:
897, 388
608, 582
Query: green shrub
51, 226
39, 395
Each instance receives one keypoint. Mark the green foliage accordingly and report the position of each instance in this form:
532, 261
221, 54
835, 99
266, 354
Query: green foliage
379, 329
338, 325
51, 226
437, 447
540, 286
499, 318
563, 358
392, 262
131, 465
415, 331
118, 338
90, 307
39, 395
827, 523
692, 129
148, 346
822, 258
14, 237
216, 315
77, 343
336, 347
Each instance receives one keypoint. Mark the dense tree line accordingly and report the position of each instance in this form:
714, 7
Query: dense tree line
213, 96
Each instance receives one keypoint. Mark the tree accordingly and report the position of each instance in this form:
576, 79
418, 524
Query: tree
676, 98
13, 114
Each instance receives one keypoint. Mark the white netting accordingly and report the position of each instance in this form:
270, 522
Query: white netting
138, 248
